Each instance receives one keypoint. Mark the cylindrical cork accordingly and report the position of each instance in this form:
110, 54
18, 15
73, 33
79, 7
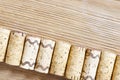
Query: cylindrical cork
92, 58
60, 57
4, 36
116, 72
30, 52
15, 48
44, 56
75, 63
106, 65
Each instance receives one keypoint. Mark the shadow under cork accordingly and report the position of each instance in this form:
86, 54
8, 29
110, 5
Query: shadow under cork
8, 72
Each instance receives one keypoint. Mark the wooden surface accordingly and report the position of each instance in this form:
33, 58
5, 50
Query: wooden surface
89, 23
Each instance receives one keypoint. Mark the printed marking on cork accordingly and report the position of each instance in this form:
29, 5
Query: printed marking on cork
92, 58
44, 56
30, 52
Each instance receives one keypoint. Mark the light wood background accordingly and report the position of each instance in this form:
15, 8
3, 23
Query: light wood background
89, 23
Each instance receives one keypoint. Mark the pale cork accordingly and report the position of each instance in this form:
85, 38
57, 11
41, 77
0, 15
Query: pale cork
15, 48
116, 72
4, 36
44, 56
60, 57
75, 63
30, 52
106, 65
92, 58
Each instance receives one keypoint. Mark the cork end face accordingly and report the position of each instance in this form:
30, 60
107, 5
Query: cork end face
18, 33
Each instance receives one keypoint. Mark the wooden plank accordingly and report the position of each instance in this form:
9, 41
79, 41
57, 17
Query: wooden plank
89, 23
8, 72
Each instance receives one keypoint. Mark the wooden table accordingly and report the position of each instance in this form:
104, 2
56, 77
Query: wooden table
89, 23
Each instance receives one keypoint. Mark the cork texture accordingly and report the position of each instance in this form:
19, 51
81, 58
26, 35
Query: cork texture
30, 52
60, 57
4, 36
15, 48
44, 56
106, 65
92, 58
75, 63
116, 72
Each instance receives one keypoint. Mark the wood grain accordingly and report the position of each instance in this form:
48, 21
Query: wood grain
89, 23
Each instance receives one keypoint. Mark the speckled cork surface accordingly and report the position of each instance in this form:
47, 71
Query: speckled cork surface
116, 72
60, 57
30, 52
92, 58
105, 68
4, 37
75, 63
15, 48
45, 56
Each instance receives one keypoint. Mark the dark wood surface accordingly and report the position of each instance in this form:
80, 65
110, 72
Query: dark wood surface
16, 73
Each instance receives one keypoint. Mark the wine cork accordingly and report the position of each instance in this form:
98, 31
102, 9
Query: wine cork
44, 56
30, 52
60, 57
116, 72
75, 63
106, 65
4, 36
15, 48
92, 58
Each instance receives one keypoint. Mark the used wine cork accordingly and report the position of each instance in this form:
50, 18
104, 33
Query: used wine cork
4, 36
106, 65
60, 57
116, 72
15, 48
75, 63
44, 56
92, 58
30, 52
